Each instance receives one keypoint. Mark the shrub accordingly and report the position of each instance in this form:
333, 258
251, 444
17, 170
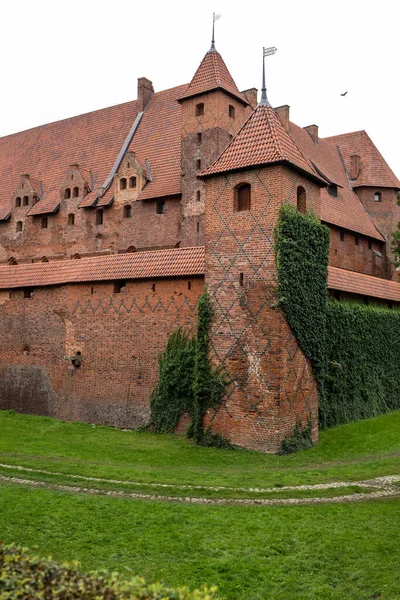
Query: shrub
27, 577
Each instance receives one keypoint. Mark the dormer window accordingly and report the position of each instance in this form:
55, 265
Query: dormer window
17, 201
231, 111
242, 199
67, 194
200, 109
378, 197
332, 190
25, 201
132, 182
127, 211
122, 183
75, 192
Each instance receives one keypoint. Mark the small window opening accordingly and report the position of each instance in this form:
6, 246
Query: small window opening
28, 292
153, 287
18, 201
71, 219
19, 226
241, 279
198, 164
198, 196
128, 165
23, 185
160, 207
200, 109
242, 197
99, 216
25, 201
76, 256
119, 286
92, 290
342, 236
369, 244
301, 200
131, 249
332, 190
199, 136
132, 182
67, 194
12, 261
357, 240
198, 227
231, 111
189, 285
378, 197
127, 211
72, 177
75, 192
26, 350
44, 223
122, 183
44, 259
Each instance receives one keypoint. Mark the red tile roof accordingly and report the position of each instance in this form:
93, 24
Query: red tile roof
262, 140
346, 210
212, 74
92, 140
374, 169
158, 141
175, 262
48, 204
365, 285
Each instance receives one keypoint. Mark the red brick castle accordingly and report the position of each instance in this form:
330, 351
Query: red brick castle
112, 223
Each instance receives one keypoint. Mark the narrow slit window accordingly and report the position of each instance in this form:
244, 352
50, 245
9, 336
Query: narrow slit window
231, 111
160, 207
99, 216
199, 137
71, 219
198, 164
44, 223
198, 195
241, 279
301, 200
122, 183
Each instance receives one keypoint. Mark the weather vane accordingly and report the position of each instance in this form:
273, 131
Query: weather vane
266, 52
215, 18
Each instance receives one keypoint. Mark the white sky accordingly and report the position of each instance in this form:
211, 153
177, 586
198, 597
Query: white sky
60, 59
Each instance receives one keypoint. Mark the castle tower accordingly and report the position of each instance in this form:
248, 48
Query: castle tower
213, 110
272, 384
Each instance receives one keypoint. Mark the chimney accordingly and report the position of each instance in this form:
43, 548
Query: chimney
313, 131
251, 97
355, 166
144, 92
283, 114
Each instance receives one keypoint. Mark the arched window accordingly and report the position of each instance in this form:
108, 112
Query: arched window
76, 256
122, 183
71, 219
378, 197
231, 111
132, 182
44, 259
25, 201
198, 195
75, 192
242, 198
127, 211
67, 193
301, 200
99, 216
12, 261
17, 201
131, 249
199, 109
19, 226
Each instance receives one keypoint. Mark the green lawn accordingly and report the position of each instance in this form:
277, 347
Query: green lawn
335, 551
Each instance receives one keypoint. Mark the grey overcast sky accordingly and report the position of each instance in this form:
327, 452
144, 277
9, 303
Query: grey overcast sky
60, 59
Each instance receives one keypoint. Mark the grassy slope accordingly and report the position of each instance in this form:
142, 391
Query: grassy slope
308, 552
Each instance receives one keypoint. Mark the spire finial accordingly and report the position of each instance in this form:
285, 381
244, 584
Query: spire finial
266, 52
215, 18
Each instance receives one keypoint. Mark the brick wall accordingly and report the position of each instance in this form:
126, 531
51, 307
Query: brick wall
118, 334
272, 385
357, 252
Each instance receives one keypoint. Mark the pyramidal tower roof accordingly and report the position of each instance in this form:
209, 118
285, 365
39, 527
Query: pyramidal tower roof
212, 74
263, 140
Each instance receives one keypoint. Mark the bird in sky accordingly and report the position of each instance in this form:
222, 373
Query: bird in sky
343, 94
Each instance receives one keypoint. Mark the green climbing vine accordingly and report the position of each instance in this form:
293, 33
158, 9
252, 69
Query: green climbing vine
353, 348
188, 382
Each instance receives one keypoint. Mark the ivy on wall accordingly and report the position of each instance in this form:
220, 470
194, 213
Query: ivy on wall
353, 349
188, 382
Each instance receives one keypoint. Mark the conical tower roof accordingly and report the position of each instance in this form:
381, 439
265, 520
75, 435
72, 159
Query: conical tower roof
212, 74
263, 140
